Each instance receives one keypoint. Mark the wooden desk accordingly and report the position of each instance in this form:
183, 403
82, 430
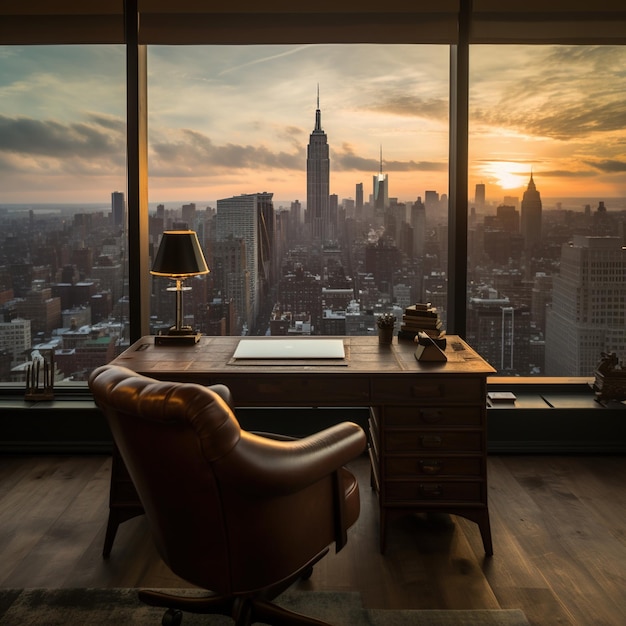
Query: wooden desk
427, 426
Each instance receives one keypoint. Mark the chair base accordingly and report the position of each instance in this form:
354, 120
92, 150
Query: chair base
243, 610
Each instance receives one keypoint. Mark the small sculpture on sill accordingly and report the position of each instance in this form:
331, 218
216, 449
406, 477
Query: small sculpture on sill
610, 378
40, 378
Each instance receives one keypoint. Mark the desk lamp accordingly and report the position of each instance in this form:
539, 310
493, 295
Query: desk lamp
179, 257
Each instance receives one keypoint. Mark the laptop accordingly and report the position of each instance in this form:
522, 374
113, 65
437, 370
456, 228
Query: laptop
296, 348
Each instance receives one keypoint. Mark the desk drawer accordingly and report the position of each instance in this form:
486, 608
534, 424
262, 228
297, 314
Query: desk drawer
405, 466
444, 416
417, 492
409, 441
440, 390
284, 390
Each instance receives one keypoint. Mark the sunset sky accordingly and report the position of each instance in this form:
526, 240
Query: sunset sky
236, 119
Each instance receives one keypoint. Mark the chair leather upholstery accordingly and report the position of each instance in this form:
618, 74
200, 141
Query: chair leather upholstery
230, 511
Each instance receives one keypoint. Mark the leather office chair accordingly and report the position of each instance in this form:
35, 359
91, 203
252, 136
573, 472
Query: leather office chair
232, 512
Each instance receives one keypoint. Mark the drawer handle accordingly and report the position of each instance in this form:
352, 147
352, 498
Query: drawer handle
429, 490
426, 391
431, 441
431, 466
431, 416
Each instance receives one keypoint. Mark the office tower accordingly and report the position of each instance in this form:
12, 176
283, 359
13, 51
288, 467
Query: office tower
588, 305
248, 218
431, 202
531, 216
118, 209
500, 332
417, 220
296, 213
479, 196
380, 190
318, 179
358, 202
188, 215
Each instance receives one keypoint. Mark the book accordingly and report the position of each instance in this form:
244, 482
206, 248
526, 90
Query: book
419, 323
415, 312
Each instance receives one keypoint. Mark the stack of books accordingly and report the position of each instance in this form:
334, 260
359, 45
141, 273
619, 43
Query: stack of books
420, 318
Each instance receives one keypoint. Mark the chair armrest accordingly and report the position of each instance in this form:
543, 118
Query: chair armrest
257, 464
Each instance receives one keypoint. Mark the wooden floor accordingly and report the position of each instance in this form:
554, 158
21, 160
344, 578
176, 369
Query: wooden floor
558, 523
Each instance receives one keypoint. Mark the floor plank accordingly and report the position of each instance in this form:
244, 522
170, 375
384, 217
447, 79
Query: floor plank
558, 526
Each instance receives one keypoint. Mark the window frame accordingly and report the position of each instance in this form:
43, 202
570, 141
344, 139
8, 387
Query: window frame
458, 23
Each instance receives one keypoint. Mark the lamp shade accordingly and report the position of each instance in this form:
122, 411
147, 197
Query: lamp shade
179, 255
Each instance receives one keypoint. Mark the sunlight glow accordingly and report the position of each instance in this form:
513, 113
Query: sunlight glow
506, 174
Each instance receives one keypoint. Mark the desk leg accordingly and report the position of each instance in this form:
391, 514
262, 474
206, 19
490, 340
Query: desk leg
124, 502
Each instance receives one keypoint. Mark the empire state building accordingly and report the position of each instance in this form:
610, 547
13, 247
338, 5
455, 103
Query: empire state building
317, 181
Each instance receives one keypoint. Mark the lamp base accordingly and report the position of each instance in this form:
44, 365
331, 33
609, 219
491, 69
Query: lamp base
188, 339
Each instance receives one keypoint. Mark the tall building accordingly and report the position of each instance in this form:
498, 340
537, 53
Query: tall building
318, 179
418, 223
358, 200
118, 209
531, 216
479, 196
500, 332
588, 309
249, 218
380, 190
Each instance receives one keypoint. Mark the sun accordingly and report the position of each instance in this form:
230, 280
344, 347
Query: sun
506, 174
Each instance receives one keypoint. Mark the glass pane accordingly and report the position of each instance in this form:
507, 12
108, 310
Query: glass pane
63, 276
546, 289
316, 177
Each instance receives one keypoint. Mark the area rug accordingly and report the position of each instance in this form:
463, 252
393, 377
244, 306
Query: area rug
104, 607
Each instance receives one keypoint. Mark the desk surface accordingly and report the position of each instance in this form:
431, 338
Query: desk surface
364, 356
370, 374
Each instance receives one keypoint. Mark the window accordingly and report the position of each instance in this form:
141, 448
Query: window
547, 205
63, 249
237, 125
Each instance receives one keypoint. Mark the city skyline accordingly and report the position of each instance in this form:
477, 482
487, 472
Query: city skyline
232, 120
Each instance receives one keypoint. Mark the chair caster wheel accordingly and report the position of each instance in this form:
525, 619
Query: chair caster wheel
172, 617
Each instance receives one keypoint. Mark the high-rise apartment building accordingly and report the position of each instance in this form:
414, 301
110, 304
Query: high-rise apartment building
531, 216
118, 209
318, 180
588, 309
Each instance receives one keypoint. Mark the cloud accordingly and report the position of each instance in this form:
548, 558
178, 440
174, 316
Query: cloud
99, 138
610, 166
558, 92
192, 153
345, 159
411, 105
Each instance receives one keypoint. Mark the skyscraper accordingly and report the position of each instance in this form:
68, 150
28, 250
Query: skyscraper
318, 179
118, 208
588, 306
531, 216
479, 196
248, 218
381, 190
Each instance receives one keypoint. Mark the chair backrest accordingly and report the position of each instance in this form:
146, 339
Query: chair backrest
169, 435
